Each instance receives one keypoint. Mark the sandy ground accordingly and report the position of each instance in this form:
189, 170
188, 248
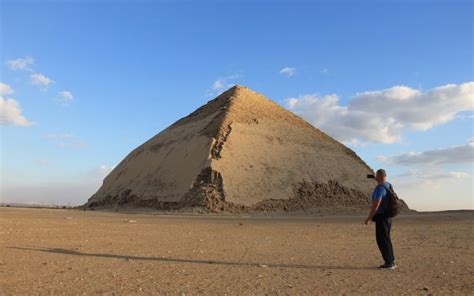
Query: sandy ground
50, 251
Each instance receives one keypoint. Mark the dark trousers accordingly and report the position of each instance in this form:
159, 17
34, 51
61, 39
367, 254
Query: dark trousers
382, 234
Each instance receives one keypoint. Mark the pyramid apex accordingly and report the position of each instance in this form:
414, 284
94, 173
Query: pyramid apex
238, 86
239, 90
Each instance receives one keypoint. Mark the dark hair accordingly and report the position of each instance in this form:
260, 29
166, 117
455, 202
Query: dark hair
381, 172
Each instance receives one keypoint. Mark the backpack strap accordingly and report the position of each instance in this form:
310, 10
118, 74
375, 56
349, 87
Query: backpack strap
382, 185
389, 188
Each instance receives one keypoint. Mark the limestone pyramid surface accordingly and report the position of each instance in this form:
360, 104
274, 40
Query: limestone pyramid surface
239, 152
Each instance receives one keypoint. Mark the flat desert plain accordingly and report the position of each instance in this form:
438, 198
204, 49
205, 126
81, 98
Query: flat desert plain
51, 251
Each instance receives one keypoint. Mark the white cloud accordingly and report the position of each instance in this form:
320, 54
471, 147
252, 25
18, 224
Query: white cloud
10, 110
100, 172
21, 63
11, 113
420, 177
65, 98
465, 116
455, 154
222, 84
429, 186
288, 71
218, 85
5, 89
429, 190
40, 79
382, 116
433, 179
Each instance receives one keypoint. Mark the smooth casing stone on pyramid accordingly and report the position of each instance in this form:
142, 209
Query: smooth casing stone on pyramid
241, 152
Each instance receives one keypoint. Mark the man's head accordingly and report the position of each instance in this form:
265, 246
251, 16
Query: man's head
381, 176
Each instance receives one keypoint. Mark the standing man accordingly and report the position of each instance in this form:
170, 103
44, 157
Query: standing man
383, 223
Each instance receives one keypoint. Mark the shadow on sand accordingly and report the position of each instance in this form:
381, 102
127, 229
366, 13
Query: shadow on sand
191, 261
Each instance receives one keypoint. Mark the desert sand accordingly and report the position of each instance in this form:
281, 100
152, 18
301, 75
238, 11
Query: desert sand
72, 252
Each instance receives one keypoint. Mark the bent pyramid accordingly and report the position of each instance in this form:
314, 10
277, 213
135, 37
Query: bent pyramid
239, 152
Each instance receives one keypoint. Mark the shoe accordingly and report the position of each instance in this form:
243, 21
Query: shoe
388, 266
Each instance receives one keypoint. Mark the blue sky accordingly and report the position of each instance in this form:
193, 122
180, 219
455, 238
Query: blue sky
110, 75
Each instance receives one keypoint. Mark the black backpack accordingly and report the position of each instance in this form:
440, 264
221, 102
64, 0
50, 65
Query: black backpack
393, 202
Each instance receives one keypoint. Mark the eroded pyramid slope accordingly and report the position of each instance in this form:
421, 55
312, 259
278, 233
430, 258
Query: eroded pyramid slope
239, 152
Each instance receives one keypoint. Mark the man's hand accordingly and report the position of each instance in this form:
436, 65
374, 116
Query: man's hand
373, 210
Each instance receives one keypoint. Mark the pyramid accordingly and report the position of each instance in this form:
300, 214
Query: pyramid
240, 152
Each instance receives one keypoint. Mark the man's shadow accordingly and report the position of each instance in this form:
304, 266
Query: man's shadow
190, 261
